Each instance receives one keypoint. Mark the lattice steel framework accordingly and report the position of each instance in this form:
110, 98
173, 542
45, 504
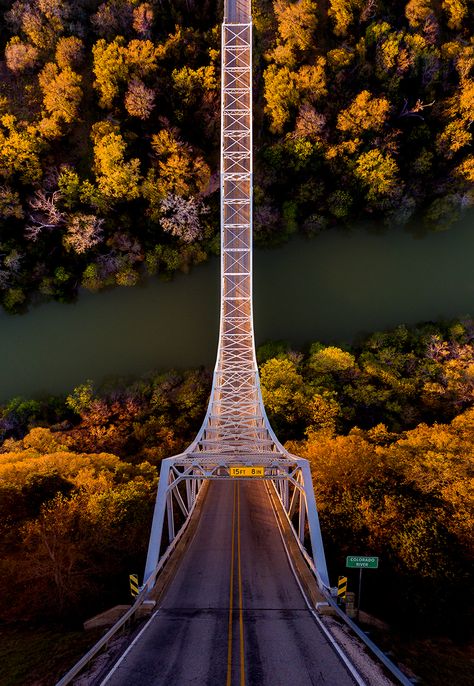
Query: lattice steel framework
236, 429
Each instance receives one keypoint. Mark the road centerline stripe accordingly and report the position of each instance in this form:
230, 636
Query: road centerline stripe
231, 596
241, 617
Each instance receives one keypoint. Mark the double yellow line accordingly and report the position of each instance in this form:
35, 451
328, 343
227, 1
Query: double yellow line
235, 519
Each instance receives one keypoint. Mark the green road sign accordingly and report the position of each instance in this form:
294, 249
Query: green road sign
359, 562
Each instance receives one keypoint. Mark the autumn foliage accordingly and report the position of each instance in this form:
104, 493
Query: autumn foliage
109, 130
387, 426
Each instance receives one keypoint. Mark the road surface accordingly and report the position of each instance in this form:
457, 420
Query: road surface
233, 615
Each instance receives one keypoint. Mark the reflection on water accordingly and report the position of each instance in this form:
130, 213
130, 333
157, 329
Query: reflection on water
332, 288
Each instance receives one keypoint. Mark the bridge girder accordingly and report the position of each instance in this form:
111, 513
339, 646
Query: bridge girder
236, 430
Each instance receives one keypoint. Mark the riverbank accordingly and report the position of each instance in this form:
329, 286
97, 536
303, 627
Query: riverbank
387, 426
333, 289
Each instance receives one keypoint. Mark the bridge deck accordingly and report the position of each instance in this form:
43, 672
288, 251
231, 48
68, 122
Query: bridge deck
274, 638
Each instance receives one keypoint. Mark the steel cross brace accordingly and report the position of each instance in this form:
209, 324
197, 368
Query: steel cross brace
236, 430
282, 472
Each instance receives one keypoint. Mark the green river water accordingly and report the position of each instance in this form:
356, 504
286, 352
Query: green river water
332, 288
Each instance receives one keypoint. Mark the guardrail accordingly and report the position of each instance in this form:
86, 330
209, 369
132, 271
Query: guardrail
142, 596
149, 583
379, 654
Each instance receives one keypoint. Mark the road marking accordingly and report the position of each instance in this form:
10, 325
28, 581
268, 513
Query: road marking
236, 525
332, 641
231, 596
241, 613
122, 658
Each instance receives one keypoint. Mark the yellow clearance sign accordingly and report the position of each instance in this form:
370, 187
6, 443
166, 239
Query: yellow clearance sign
247, 471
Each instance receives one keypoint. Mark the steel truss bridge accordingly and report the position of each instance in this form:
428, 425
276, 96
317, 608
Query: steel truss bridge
236, 430
178, 648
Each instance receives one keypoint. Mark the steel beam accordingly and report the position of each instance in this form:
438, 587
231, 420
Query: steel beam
236, 429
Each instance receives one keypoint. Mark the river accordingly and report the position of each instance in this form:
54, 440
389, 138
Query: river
332, 288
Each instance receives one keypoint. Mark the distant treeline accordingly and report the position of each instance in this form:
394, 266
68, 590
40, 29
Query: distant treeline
109, 129
388, 426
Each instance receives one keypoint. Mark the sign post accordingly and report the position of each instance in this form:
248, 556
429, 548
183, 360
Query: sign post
360, 592
361, 562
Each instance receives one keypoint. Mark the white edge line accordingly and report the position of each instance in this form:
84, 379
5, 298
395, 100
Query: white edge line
124, 655
142, 630
337, 648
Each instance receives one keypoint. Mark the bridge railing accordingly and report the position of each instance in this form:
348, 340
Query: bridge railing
181, 480
182, 477
131, 613
329, 593
296, 494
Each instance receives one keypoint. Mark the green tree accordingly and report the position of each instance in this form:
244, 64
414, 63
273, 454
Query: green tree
331, 360
81, 398
283, 392
339, 204
13, 299
10, 205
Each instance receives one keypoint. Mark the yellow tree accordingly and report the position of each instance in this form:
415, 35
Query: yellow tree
54, 550
456, 11
297, 22
19, 150
117, 178
417, 12
61, 92
69, 52
141, 56
365, 113
342, 14
285, 89
110, 69
378, 172
177, 171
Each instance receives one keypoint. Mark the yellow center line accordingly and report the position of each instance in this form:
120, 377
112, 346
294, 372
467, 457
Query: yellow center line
241, 615
231, 597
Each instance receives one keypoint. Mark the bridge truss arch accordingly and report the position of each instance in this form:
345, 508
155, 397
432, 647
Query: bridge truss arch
236, 430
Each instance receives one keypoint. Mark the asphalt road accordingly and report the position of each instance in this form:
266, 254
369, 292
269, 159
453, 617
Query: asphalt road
233, 615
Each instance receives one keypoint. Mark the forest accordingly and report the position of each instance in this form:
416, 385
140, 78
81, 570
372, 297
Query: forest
387, 425
109, 130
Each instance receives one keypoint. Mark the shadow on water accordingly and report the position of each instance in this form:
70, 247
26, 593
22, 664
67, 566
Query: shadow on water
331, 288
